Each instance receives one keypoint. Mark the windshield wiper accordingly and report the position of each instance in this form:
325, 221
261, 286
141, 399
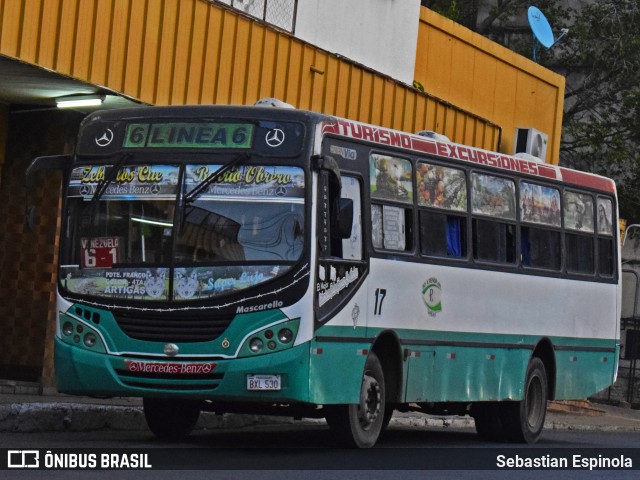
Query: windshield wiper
198, 189
103, 184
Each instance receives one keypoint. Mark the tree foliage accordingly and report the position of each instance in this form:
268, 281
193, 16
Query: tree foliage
600, 59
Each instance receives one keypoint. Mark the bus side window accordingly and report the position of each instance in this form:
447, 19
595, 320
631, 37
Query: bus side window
390, 180
606, 255
391, 227
442, 235
494, 238
351, 248
579, 230
346, 248
443, 228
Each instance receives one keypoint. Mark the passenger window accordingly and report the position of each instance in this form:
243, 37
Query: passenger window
391, 227
606, 256
442, 229
443, 235
391, 183
390, 179
494, 238
540, 246
579, 229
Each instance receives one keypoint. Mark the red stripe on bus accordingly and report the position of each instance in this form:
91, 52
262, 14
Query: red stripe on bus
587, 180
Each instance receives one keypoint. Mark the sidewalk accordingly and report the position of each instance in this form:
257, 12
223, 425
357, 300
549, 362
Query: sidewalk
24, 412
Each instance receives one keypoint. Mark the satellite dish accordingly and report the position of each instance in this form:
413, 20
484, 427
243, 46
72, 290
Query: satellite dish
542, 30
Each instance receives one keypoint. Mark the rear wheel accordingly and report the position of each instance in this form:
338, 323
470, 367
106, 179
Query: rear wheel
360, 425
170, 419
524, 420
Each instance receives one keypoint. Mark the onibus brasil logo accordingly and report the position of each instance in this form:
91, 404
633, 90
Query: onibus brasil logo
432, 296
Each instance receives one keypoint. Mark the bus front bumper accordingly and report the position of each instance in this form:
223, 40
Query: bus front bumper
82, 372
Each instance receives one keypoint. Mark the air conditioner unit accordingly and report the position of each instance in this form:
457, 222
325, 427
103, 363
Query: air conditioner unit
531, 141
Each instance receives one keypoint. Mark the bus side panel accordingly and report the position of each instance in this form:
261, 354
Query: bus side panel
464, 374
483, 326
335, 368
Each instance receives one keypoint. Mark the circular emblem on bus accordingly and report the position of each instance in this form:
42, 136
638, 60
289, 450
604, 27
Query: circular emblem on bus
105, 139
171, 349
275, 137
432, 296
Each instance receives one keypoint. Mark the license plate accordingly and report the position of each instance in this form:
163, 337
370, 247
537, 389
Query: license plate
264, 382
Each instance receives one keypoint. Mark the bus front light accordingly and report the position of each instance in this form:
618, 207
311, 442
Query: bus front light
67, 329
285, 336
256, 345
90, 340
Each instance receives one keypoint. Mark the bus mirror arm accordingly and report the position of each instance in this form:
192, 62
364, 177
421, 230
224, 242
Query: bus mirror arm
342, 209
40, 164
329, 164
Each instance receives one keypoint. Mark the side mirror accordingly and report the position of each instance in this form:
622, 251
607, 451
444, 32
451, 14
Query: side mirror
342, 218
40, 164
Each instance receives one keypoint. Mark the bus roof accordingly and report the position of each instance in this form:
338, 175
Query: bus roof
372, 134
422, 144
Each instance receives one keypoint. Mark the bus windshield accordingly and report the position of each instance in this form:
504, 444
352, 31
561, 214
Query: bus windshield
145, 238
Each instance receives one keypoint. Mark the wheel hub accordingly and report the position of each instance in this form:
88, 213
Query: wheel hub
370, 400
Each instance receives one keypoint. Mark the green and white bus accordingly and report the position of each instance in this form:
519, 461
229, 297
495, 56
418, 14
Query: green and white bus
279, 261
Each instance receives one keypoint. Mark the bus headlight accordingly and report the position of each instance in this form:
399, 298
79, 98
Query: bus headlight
90, 340
285, 336
67, 328
256, 345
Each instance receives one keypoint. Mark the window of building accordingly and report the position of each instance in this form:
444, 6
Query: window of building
281, 13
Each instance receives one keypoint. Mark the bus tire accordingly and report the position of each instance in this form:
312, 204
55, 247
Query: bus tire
524, 420
170, 419
359, 425
487, 418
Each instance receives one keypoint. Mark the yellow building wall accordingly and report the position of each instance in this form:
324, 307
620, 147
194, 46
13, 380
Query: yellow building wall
489, 80
193, 51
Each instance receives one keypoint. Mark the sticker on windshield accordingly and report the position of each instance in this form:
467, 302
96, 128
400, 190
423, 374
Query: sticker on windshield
208, 282
129, 283
247, 181
141, 181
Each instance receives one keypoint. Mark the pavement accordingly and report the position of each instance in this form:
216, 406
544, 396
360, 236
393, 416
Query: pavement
22, 410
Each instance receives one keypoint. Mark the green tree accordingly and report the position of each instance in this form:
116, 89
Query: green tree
600, 59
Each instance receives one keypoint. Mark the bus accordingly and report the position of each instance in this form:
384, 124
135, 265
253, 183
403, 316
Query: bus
248, 259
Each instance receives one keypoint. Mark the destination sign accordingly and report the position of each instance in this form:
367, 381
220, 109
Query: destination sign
213, 135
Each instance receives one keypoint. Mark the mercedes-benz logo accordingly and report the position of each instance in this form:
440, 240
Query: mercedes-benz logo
105, 139
281, 191
85, 190
275, 137
155, 189
171, 349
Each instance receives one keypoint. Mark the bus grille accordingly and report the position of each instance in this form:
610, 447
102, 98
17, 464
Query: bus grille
167, 381
176, 328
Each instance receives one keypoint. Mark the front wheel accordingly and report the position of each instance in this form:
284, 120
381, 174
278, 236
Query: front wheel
170, 419
524, 420
360, 425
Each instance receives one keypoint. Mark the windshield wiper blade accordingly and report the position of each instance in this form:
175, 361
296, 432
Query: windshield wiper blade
198, 189
103, 184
